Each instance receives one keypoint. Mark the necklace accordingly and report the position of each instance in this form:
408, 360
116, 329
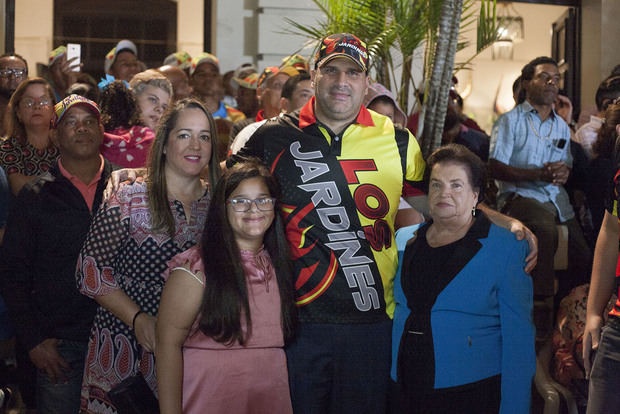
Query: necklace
529, 119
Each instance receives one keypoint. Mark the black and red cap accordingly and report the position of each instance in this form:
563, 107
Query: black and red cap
342, 45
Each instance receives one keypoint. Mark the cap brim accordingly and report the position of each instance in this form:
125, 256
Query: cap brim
84, 105
289, 70
338, 55
242, 83
126, 45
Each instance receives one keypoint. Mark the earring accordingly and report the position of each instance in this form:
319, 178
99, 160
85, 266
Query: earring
473, 211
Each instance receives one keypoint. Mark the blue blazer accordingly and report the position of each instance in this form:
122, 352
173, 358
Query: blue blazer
482, 321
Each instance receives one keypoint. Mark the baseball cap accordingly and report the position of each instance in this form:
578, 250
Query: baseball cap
72, 100
274, 70
296, 61
268, 72
204, 57
249, 81
181, 59
345, 45
110, 58
244, 69
56, 54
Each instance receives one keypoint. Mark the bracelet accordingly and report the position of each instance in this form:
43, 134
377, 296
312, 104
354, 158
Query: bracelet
133, 322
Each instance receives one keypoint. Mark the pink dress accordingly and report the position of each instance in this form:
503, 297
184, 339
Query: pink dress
128, 148
238, 379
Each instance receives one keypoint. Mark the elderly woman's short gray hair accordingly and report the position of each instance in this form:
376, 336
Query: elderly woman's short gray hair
456, 153
150, 77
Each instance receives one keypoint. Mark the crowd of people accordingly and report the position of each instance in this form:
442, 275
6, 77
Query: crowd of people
258, 251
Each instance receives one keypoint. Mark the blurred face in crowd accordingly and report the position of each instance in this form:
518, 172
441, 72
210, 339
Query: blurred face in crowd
543, 88
207, 81
79, 134
179, 81
227, 82
56, 75
153, 103
125, 66
247, 102
301, 95
383, 107
340, 86
35, 107
12, 72
270, 92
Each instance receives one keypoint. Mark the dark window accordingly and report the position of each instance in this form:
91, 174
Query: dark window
99, 25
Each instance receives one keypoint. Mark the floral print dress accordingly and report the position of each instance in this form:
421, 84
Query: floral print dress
121, 252
17, 155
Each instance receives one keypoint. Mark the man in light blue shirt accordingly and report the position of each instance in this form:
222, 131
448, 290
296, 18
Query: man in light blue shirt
530, 157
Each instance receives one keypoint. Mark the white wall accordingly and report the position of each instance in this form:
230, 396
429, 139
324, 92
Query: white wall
610, 24
232, 24
490, 78
34, 25
251, 31
599, 48
190, 34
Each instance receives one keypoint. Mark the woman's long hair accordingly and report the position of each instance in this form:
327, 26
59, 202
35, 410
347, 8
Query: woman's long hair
225, 299
162, 220
12, 125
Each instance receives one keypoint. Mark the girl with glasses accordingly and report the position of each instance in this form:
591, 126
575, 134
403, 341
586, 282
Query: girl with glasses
228, 308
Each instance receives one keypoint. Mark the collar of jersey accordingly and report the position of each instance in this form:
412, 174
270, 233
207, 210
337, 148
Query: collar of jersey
307, 118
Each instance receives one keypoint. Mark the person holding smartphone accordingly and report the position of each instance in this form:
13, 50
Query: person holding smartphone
62, 71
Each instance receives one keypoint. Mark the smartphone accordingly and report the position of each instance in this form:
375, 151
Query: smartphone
74, 50
560, 143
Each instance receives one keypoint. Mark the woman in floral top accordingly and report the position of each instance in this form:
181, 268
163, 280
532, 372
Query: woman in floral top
27, 151
140, 228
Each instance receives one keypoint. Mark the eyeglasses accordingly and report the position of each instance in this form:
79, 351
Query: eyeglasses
241, 205
18, 73
28, 103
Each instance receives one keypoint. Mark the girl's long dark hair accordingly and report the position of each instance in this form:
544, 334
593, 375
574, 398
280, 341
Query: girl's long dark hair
225, 300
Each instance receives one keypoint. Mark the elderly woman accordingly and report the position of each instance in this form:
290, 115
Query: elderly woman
27, 151
140, 228
463, 330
